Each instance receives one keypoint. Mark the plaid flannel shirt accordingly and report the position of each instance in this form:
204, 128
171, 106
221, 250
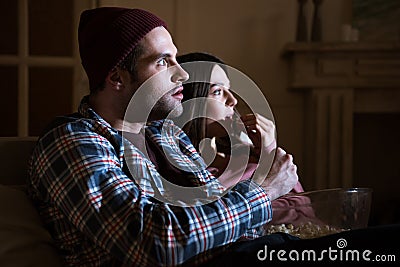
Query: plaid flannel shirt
99, 215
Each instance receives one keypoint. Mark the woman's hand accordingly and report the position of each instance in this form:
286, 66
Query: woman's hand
261, 132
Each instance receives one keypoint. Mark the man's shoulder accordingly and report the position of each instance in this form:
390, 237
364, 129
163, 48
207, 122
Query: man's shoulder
74, 125
74, 120
62, 120
75, 133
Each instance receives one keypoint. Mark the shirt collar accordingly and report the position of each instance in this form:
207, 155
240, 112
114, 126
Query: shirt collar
87, 112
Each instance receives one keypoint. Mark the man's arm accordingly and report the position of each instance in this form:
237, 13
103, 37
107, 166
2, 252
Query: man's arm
82, 175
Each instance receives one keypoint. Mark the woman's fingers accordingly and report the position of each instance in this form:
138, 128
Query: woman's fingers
260, 130
250, 120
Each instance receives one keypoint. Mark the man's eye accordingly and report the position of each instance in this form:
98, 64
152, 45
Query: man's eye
162, 62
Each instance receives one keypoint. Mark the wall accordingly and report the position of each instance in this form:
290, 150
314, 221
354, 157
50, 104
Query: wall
250, 36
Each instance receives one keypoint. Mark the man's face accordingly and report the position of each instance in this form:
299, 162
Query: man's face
163, 91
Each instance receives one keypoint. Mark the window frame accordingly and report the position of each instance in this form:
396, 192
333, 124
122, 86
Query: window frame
23, 61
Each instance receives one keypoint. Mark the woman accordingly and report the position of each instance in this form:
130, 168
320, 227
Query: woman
220, 103
209, 121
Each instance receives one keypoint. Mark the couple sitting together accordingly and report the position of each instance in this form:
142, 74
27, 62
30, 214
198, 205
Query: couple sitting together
118, 183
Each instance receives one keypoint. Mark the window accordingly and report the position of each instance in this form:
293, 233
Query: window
40, 71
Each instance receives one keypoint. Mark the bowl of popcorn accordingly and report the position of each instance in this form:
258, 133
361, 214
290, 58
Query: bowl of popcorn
321, 212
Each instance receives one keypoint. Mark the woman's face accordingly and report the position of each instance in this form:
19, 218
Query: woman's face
220, 104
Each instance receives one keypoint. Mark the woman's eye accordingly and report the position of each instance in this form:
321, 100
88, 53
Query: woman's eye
162, 62
216, 92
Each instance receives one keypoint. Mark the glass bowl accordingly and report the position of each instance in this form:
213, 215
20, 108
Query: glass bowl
321, 212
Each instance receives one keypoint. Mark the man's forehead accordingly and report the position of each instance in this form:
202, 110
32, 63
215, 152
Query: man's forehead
158, 41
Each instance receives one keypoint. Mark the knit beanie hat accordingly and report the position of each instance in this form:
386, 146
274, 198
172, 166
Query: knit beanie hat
106, 35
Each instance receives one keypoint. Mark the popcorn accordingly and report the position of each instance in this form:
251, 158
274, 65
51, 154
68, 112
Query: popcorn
304, 231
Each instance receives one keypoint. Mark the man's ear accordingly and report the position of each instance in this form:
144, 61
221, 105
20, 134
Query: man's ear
114, 78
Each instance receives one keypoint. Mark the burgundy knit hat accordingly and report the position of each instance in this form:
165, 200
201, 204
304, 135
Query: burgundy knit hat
106, 35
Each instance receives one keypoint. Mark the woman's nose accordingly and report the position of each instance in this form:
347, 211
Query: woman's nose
231, 99
179, 75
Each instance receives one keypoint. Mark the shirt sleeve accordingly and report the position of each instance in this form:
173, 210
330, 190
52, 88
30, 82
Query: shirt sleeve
81, 173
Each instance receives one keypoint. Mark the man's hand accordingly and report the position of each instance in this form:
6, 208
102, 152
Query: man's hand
282, 177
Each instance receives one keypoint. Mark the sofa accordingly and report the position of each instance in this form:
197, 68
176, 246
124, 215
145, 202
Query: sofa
23, 239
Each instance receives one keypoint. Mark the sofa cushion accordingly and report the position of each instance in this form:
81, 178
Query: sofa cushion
14, 157
23, 239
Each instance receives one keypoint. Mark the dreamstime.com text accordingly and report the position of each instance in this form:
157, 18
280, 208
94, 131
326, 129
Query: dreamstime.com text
331, 254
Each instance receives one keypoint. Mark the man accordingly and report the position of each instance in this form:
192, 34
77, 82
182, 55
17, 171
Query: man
101, 205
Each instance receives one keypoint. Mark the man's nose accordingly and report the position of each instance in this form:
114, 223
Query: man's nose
179, 74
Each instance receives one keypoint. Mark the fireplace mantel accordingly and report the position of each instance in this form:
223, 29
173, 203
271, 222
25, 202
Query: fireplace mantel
339, 80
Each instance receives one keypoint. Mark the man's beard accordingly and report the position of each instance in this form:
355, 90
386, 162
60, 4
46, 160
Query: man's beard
165, 109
